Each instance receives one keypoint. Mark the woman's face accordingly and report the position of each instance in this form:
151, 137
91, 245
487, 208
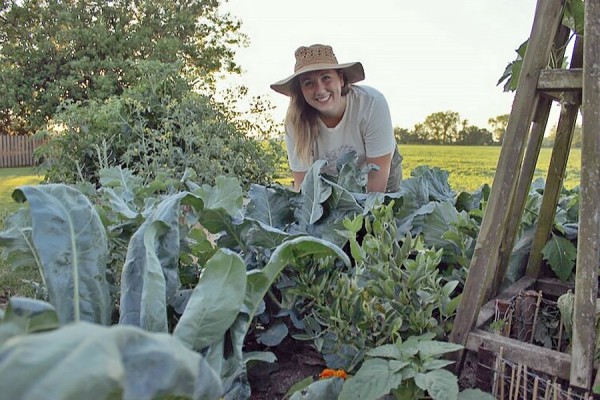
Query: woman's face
322, 90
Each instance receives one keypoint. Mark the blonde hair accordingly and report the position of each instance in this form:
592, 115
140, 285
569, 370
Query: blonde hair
304, 119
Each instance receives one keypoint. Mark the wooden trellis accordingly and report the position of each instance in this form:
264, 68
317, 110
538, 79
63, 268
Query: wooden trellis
539, 86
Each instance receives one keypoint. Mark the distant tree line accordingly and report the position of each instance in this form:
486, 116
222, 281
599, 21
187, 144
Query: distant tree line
447, 127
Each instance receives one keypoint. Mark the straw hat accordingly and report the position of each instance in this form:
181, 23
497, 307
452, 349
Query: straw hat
318, 57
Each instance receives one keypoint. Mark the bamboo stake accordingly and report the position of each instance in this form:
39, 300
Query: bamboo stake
518, 383
557, 390
525, 382
536, 382
512, 384
569, 392
497, 376
535, 315
547, 391
502, 370
560, 332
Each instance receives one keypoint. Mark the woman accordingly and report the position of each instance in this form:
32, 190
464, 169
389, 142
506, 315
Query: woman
329, 116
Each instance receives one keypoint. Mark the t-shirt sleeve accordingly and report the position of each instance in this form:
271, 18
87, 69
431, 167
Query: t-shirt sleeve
295, 163
379, 133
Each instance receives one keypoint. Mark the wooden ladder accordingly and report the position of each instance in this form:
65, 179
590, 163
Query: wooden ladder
538, 87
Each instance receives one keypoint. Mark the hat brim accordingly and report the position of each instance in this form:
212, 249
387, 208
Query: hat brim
354, 72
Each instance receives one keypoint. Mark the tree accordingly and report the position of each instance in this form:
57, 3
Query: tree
77, 50
442, 127
499, 125
475, 136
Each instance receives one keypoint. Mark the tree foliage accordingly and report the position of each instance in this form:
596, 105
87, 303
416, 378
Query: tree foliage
158, 128
57, 50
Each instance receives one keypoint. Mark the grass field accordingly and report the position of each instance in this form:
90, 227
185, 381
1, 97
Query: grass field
468, 167
472, 166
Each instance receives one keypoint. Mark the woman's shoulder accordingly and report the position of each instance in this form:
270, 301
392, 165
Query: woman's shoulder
367, 92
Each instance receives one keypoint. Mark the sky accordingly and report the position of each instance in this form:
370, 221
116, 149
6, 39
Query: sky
425, 56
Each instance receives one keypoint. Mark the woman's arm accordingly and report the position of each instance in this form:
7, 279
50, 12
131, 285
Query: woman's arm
378, 179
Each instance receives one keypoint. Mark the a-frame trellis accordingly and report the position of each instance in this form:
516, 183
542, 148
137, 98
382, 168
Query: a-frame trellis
539, 86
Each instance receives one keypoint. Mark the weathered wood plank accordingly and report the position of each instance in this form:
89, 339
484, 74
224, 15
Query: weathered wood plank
588, 242
552, 287
532, 152
538, 358
489, 309
483, 263
560, 80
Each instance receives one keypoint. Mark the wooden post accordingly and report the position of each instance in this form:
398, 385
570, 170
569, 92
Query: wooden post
532, 152
557, 168
588, 242
547, 18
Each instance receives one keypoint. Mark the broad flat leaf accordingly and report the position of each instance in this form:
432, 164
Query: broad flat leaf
437, 223
226, 195
88, 361
561, 255
118, 203
215, 301
440, 384
313, 193
71, 243
436, 181
433, 348
325, 389
436, 364
117, 177
343, 201
274, 335
269, 207
17, 241
25, 315
146, 252
386, 351
374, 379
263, 235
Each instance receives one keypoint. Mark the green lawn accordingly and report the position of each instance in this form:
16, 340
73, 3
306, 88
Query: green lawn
472, 166
11, 178
11, 282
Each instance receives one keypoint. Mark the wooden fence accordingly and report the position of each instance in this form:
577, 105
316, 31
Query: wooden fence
17, 151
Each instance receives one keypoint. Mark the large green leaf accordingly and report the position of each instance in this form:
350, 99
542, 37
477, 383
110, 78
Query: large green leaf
72, 246
25, 315
17, 241
226, 195
150, 279
215, 301
86, 361
439, 384
375, 378
314, 191
326, 389
561, 255
269, 206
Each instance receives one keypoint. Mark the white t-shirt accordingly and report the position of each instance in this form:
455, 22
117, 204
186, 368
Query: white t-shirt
365, 127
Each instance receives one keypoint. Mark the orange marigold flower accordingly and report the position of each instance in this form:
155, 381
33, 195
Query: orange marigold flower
333, 373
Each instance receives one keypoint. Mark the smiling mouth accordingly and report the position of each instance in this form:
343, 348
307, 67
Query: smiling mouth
323, 99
